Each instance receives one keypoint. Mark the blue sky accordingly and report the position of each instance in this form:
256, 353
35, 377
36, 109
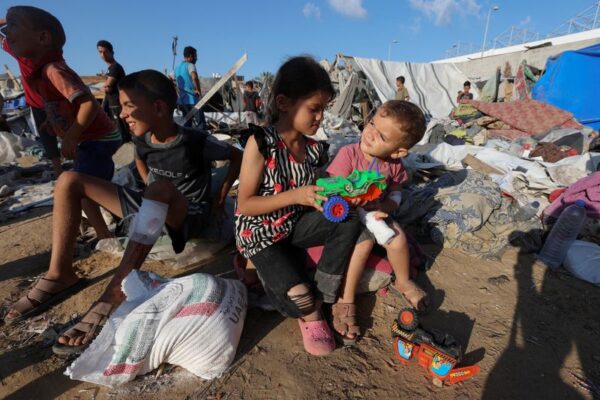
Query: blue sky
272, 30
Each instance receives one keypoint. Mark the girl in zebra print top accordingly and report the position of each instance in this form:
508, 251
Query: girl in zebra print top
277, 214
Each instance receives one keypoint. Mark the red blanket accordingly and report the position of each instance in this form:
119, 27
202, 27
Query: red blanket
530, 116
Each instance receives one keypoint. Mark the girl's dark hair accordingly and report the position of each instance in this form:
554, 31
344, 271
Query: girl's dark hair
297, 78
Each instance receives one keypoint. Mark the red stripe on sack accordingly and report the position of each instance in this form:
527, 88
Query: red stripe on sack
207, 309
116, 369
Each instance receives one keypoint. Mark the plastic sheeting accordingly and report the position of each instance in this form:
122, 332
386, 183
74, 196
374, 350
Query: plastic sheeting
343, 104
571, 83
531, 176
433, 87
12, 147
583, 261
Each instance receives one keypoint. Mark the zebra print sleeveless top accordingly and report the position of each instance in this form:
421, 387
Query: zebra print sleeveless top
281, 173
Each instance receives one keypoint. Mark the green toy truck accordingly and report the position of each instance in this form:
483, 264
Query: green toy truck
365, 185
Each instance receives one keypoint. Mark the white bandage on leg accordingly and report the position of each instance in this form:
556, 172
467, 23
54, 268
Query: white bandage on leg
395, 196
148, 222
379, 228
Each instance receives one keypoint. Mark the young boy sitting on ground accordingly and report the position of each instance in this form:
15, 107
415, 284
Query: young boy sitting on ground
465, 94
396, 127
175, 164
72, 113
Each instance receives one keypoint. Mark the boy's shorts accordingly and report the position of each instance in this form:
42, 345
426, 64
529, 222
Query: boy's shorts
94, 157
193, 225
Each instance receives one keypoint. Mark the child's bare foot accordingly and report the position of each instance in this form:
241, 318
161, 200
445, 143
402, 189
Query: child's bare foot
413, 293
344, 323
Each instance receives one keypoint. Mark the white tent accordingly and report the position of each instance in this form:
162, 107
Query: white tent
433, 87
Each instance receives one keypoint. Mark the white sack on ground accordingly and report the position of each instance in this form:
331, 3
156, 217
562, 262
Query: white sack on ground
432, 124
451, 156
583, 261
32, 195
12, 146
194, 322
433, 87
538, 175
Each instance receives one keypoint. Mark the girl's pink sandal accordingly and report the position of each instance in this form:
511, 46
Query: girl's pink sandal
317, 337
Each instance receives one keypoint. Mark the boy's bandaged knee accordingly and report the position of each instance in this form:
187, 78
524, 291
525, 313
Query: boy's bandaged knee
379, 228
148, 222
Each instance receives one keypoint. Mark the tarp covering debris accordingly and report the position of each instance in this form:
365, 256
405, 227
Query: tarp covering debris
571, 83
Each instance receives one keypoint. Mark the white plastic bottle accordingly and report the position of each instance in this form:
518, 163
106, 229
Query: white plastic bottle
563, 235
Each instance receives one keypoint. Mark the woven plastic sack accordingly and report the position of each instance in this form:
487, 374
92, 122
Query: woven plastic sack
194, 322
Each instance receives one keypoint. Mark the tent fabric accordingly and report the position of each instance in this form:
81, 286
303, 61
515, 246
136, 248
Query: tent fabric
432, 87
530, 116
343, 104
489, 93
571, 83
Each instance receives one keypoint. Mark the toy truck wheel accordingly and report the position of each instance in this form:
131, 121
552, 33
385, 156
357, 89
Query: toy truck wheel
336, 209
407, 319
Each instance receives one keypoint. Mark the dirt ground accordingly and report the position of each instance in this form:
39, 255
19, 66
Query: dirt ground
531, 331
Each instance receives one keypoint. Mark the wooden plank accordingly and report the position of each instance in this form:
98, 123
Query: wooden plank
480, 166
215, 88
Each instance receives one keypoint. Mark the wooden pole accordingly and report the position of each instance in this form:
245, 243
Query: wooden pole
215, 88
12, 77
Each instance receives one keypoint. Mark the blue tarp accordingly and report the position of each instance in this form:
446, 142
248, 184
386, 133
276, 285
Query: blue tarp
572, 82
15, 103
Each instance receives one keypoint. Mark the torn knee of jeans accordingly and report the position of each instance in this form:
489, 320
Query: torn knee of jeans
305, 302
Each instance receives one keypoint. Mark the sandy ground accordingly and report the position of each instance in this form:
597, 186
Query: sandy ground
530, 331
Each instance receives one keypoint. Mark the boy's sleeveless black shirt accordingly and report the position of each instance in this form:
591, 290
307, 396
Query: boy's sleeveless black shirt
186, 162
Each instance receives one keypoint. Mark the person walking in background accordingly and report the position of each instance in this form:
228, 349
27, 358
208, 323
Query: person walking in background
188, 87
251, 103
111, 95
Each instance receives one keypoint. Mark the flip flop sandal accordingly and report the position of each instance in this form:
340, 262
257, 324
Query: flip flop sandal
317, 337
90, 325
406, 297
44, 294
344, 323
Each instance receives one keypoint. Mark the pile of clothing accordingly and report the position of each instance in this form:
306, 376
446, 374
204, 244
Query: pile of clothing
466, 210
